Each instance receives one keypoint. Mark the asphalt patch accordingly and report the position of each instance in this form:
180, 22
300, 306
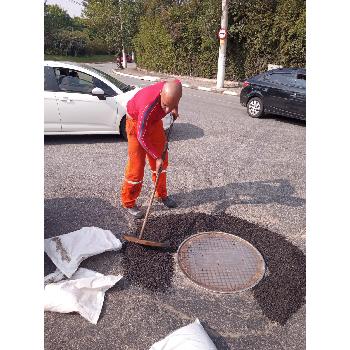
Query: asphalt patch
280, 293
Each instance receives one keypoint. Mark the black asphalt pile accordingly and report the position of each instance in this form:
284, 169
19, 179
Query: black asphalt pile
279, 294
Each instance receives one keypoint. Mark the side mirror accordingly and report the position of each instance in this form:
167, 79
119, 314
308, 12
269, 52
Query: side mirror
97, 91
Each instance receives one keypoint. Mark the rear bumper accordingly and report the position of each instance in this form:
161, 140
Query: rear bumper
243, 98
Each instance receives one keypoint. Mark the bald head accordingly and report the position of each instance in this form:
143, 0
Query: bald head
171, 95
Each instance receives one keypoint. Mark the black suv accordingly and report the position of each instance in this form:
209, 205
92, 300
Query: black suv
279, 91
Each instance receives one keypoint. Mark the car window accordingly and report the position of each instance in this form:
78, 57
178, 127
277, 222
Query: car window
285, 79
74, 81
278, 78
50, 83
107, 89
301, 81
120, 85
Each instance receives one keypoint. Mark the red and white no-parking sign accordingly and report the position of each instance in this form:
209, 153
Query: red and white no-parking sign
222, 34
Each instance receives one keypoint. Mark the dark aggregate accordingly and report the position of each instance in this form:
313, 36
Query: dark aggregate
280, 293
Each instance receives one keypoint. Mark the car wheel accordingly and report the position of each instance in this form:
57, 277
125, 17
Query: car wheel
122, 128
255, 107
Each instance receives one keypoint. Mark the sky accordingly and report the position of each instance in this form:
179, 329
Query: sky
73, 7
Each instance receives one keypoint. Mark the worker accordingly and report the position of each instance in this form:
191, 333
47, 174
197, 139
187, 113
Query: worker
146, 138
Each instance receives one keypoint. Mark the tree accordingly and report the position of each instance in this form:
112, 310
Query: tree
103, 22
55, 19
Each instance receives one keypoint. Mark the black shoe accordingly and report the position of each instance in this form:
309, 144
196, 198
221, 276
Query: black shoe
168, 202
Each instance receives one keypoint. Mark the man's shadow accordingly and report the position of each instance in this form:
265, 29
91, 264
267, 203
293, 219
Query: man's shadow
180, 132
185, 131
255, 192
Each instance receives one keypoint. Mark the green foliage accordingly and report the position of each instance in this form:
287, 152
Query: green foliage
290, 32
102, 20
153, 46
55, 19
131, 12
64, 35
81, 59
251, 45
96, 46
260, 32
180, 36
72, 43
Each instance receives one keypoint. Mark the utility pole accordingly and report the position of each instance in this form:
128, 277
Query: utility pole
223, 45
122, 34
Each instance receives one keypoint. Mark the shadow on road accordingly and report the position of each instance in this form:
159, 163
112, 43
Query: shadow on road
185, 131
256, 192
283, 119
216, 337
81, 139
181, 131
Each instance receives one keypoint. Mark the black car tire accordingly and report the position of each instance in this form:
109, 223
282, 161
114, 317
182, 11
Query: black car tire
123, 129
255, 107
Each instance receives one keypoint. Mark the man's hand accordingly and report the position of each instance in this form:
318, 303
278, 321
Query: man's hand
175, 113
159, 163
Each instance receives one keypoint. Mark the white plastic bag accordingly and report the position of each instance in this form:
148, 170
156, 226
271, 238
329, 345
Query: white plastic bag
84, 293
191, 337
69, 250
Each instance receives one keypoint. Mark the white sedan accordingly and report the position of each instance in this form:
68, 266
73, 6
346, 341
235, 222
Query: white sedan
80, 99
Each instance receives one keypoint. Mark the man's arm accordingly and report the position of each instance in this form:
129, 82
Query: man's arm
143, 131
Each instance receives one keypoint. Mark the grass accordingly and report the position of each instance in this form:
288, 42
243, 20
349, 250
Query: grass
82, 59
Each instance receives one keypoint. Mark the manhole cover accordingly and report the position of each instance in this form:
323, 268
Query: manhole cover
221, 262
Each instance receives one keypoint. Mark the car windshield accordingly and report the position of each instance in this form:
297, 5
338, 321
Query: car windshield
117, 83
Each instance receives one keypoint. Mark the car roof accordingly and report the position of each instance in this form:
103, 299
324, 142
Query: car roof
60, 63
287, 70
67, 64
258, 77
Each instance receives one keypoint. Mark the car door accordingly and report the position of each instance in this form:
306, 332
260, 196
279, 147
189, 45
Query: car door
295, 104
52, 120
275, 94
80, 110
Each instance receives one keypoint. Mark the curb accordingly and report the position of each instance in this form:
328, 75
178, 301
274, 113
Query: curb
151, 78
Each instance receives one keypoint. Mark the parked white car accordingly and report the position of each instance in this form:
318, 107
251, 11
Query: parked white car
79, 99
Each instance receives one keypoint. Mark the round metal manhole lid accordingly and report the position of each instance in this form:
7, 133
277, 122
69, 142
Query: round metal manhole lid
221, 262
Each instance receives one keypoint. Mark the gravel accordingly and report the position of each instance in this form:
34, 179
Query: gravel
280, 294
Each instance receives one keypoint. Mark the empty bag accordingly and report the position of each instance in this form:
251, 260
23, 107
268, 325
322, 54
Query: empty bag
84, 293
69, 250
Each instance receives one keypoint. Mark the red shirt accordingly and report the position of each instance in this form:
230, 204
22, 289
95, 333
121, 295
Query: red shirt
145, 107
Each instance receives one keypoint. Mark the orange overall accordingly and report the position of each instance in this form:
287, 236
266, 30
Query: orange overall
146, 137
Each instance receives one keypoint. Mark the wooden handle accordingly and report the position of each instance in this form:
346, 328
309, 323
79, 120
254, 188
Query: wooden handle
150, 204
156, 183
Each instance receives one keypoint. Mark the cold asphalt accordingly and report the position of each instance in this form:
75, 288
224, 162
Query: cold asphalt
227, 171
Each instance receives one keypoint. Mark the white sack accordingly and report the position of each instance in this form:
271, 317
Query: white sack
84, 293
191, 337
69, 250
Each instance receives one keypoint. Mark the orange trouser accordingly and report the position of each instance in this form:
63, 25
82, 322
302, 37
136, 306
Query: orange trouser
136, 163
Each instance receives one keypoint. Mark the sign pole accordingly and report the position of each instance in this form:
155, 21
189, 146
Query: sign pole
223, 44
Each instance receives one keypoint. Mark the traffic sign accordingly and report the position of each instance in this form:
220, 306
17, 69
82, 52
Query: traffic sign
222, 34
